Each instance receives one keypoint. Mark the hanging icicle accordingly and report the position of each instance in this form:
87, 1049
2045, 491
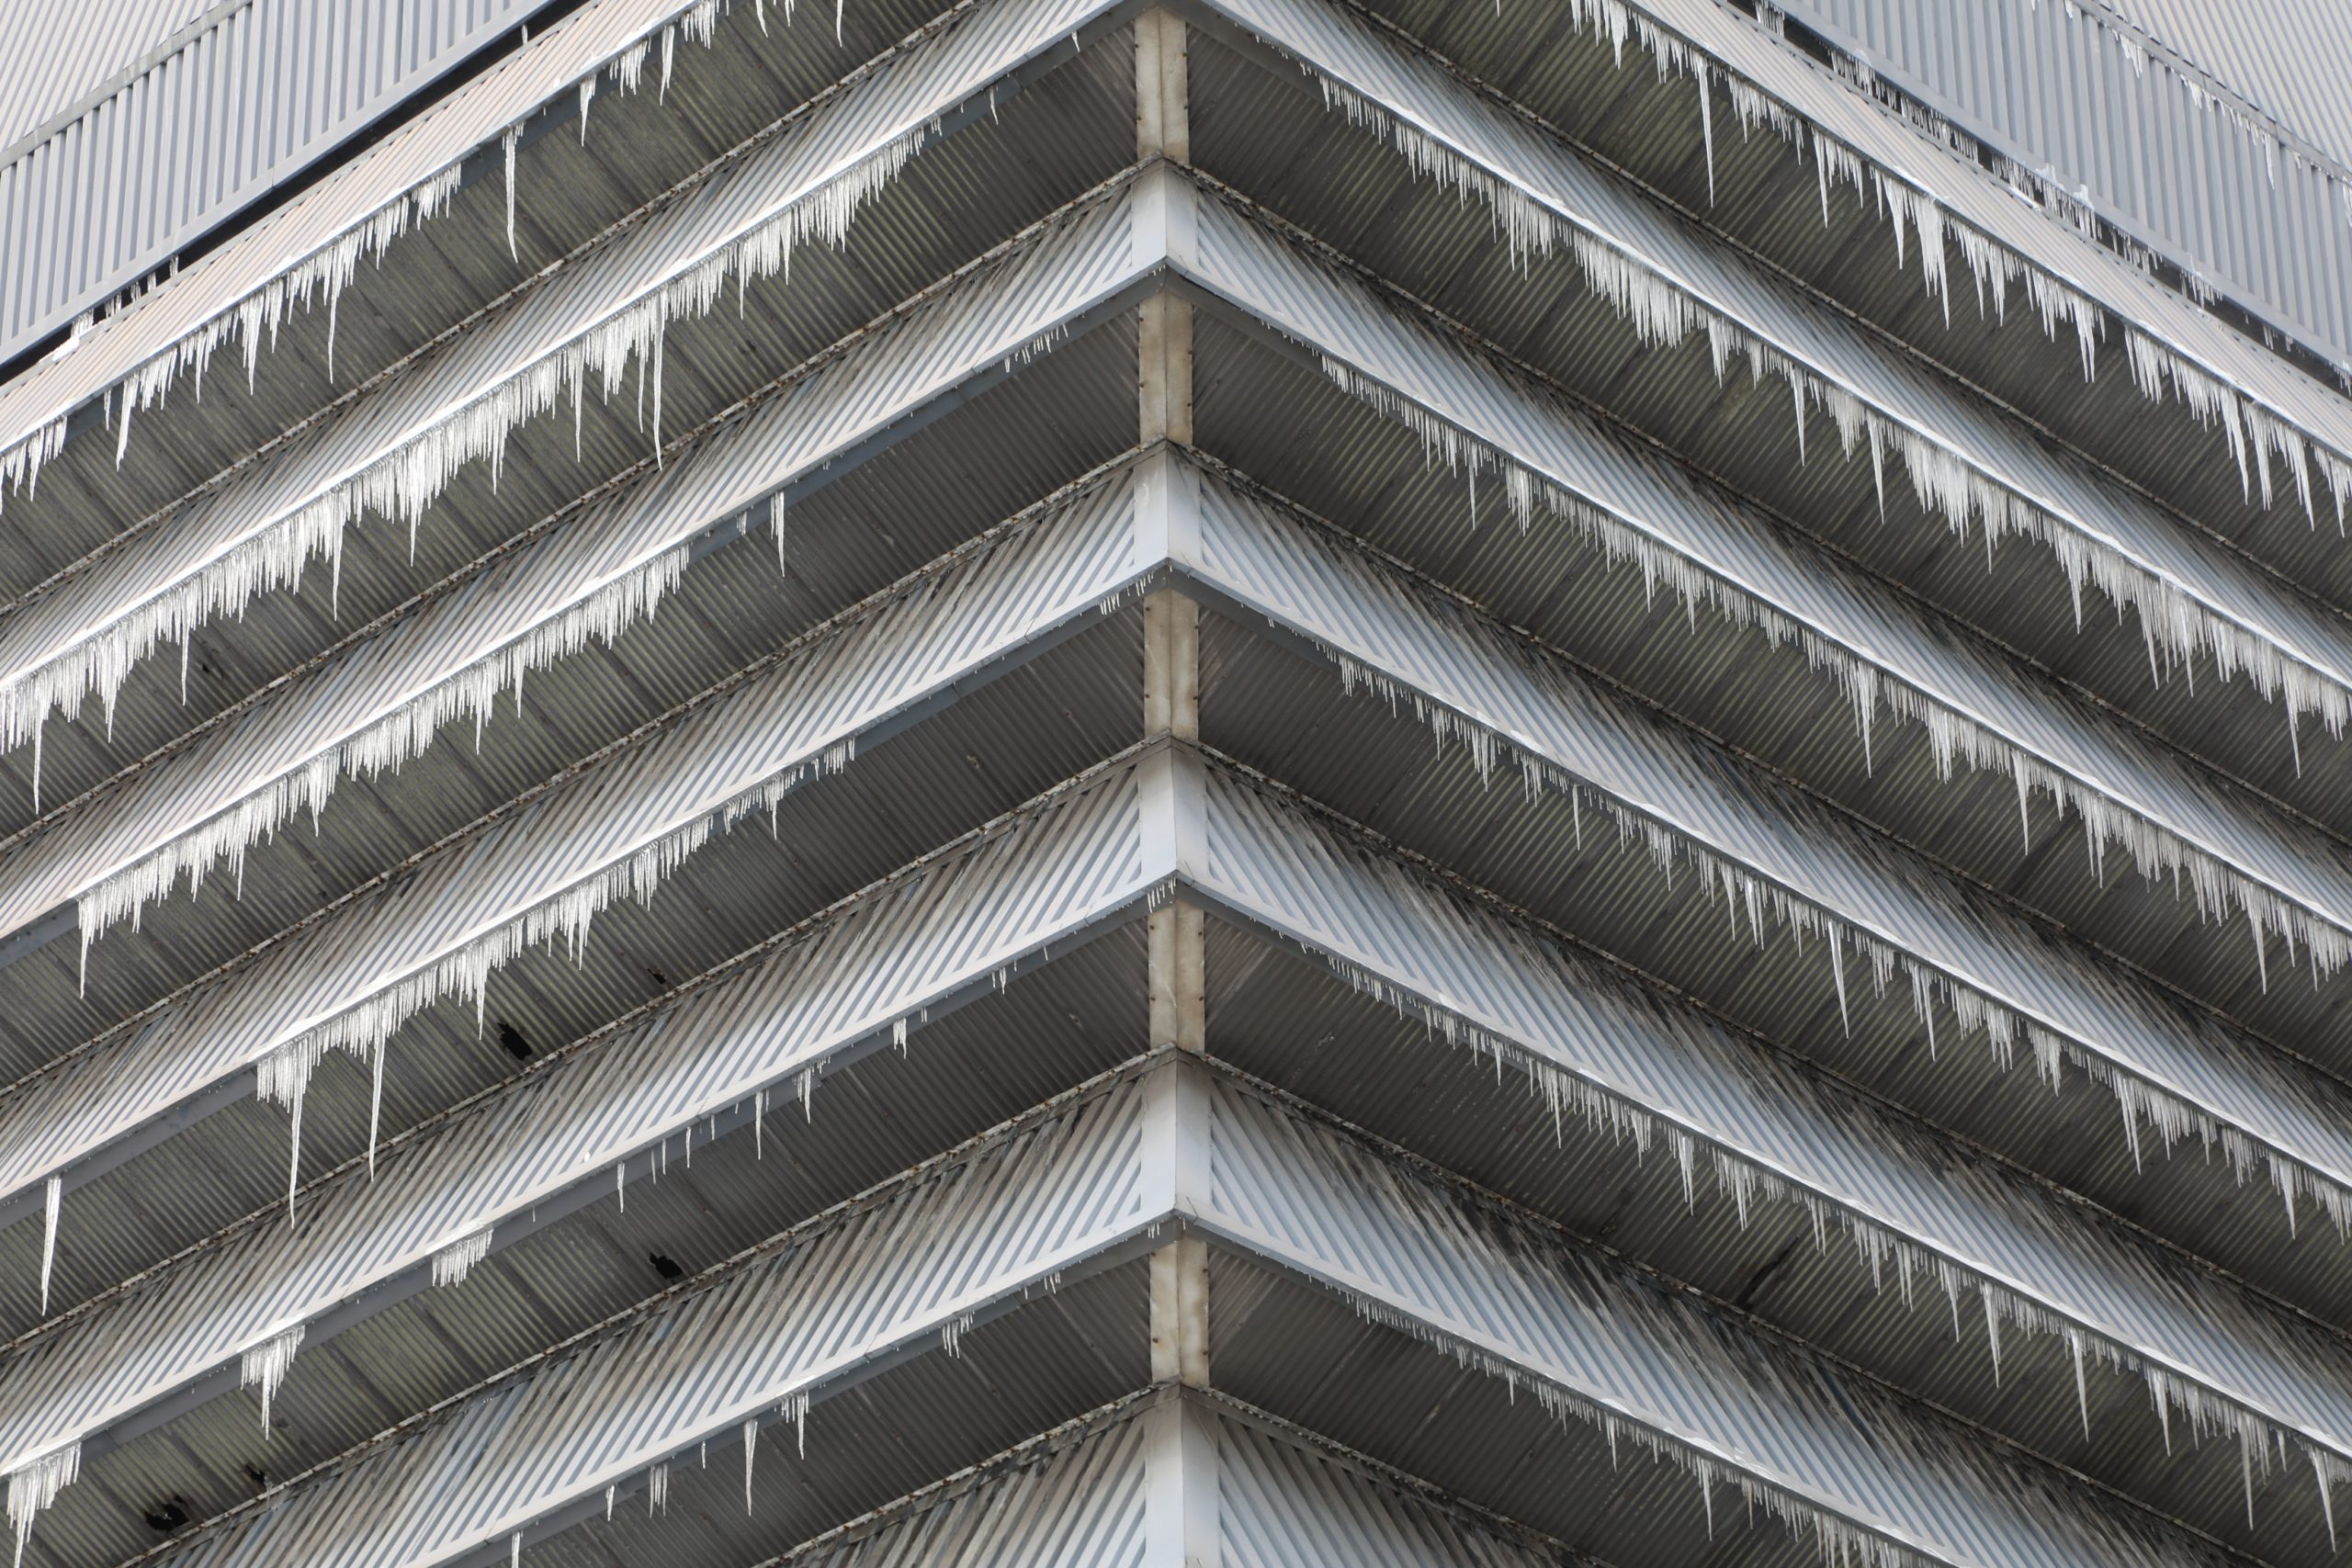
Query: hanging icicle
264, 1366
52, 1199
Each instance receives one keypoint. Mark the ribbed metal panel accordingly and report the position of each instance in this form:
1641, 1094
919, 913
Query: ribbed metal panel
1962, 192
392, 452
63, 59
1285, 1503
542, 873
1408, 940
2049, 981
949, 1241
566, 1131
462, 643
892, 1274
2255, 208
1546, 184
1810, 588
1084, 1505
178, 143
341, 205
1626, 1352
1281, 1496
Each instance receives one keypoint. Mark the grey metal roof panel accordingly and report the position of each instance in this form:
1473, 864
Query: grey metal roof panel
2162, 1060
1270, 565
392, 453
1079, 860
1825, 1452
1072, 1498
618, 829
315, 242
1273, 1492
55, 58
385, 701
1969, 461
1081, 1182
899, 1272
1600, 1046
2146, 123
2169, 340
2284, 58
131, 135
871, 969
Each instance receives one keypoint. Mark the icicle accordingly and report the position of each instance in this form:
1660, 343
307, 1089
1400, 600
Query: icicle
34, 1486
52, 1196
454, 1262
1707, 129
375, 1105
514, 1549
264, 1366
657, 1490
511, 141
776, 522
750, 1445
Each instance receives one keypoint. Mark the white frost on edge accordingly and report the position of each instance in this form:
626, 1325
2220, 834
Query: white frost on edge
405, 482
2176, 627
385, 746
264, 1366
2255, 434
452, 1263
2172, 1117
2261, 1442
34, 1486
283, 1076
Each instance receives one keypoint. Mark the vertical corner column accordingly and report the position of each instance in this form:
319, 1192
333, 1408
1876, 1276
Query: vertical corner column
1178, 929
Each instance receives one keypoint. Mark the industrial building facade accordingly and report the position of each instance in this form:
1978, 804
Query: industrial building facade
1221, 782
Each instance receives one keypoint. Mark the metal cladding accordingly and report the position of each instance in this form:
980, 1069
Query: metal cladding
812, 761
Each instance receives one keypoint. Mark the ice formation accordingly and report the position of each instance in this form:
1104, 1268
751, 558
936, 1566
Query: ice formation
2215, 884
265, 1367
562, 922
2177, 627
403, 482
2144, 1105
2252, 430
52, 1196
385, 746
34, 1485
453, 1262
1877, 1247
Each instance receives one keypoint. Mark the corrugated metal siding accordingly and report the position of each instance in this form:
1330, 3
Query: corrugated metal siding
618, 826
1282, 1503
1953, 425
1415, 943
1964, 193
58, 57
1085, 1505
2058, 986
889, 1276
881, 961
1621, 1348
969, 328
393, 453
2060, 93
240, 104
